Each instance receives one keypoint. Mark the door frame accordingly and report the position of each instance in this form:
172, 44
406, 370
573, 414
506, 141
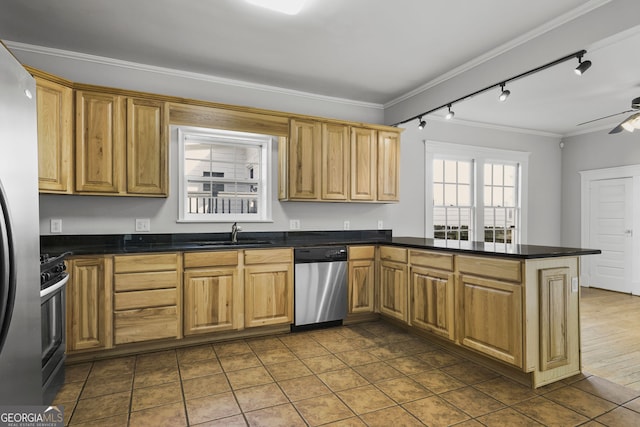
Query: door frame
586, 177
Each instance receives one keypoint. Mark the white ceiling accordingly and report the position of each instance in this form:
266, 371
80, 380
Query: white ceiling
372, 51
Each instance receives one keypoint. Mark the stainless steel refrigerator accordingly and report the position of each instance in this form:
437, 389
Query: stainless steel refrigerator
20, 329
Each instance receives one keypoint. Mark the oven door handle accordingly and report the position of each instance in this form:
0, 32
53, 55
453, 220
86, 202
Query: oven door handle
53, 288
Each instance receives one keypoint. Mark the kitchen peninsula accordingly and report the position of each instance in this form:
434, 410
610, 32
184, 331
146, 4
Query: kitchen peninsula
514, 308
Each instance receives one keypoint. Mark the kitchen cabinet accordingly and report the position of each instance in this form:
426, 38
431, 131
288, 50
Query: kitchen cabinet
89, 304
100, 134
361, 279
213, 295
304, 160
393, 283
432, 301
555, 311
491, 307
55, 136
147, 297
268, 287
335, 162
388, 166
121, 146
363, 164
147, 157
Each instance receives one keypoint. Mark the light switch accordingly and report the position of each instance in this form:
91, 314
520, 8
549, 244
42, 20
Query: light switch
56, 226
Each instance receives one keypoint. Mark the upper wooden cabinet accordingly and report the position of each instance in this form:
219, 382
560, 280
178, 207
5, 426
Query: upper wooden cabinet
147, 165
121, 146
55, 136
100, 136
388, 166
363, 164
335, 162
304, 160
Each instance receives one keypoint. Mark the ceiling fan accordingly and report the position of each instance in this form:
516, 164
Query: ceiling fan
629, 124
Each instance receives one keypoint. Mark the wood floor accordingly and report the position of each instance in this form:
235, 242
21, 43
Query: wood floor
610, 326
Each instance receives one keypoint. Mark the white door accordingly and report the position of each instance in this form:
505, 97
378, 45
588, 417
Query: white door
610, 231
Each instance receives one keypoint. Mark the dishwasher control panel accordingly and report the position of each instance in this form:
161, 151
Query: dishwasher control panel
320, 254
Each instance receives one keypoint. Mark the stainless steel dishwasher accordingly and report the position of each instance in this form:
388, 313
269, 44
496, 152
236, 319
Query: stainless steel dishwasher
320, 286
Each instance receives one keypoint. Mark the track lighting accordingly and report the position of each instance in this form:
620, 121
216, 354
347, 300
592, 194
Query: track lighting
450, 114
582, 66
504, 94
422, 123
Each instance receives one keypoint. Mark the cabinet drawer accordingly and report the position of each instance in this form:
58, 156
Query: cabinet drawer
268, 256
210, 259
388, 253
145, 324
145, 299
144, 281
432, 259
361, 252
148, 262
503, 269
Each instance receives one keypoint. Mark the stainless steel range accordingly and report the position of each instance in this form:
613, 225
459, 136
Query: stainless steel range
53, 280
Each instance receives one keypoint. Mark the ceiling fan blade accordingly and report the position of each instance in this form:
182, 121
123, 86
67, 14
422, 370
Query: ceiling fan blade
620, 128
605, 117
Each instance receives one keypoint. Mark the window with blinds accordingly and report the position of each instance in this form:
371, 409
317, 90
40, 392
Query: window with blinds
224, 175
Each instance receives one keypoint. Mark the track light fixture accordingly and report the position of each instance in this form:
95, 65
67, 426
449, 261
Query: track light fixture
504, 94
422, 123
450, 114
582, 66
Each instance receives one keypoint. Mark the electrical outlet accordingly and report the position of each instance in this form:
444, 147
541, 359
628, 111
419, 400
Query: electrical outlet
347, 225
143, 224
294, 224
56, 226
574, 284
380, 224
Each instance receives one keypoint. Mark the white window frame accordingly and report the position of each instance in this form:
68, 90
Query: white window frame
264, 205
480, 156
472, 195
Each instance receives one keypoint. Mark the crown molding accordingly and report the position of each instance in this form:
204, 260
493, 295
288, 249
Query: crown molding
528, 36
492, 126
83, 57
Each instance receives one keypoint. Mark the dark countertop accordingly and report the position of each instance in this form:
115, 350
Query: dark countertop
141, 243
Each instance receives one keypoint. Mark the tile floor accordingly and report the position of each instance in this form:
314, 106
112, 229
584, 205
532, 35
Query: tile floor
370, 374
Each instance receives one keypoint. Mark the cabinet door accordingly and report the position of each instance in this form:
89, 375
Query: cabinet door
89, 304
491, 318
335, 162
363, 164
304, 160
393, 290
99, 142
361, 279
147, 158
268, 294
55, 137
388, 166
432, 301
554, 317
210, 300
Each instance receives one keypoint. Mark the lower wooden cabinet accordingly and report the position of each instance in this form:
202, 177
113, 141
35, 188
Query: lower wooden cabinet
89, 304
432, 301
491, 318
362, 277
393, 290
268, 287
147, 297
555, 309
212, 292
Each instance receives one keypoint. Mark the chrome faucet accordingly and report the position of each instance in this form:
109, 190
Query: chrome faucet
234, 232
